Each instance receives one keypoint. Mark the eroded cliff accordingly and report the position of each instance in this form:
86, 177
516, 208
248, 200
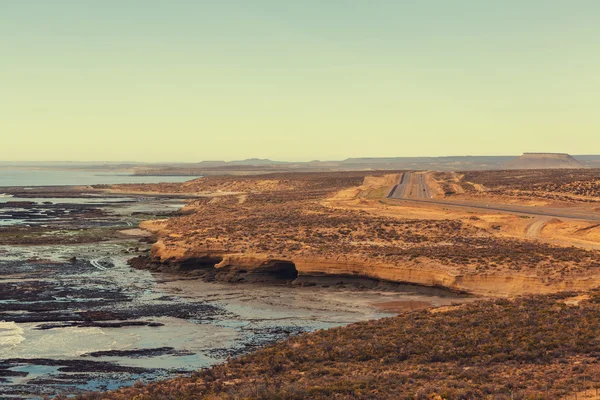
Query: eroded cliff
281, 233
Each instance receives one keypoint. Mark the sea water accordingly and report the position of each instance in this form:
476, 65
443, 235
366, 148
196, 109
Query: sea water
48, 177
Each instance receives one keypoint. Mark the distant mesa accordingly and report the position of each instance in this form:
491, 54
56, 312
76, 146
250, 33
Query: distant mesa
543, 161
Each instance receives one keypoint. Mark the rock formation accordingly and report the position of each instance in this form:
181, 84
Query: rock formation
543, 161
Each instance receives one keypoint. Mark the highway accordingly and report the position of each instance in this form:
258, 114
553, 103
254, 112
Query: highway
397, 191
413, 188
421, 187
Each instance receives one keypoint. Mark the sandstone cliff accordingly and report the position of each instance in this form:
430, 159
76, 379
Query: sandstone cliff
425, 272
293, 232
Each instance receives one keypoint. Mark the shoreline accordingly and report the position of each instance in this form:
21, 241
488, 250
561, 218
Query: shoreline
102, 290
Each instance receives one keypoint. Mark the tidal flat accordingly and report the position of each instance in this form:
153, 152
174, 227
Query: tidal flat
74, 316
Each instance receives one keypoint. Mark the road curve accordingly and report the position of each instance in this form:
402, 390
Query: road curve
534, 230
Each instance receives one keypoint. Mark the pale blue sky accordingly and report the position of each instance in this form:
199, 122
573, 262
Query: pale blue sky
297, 80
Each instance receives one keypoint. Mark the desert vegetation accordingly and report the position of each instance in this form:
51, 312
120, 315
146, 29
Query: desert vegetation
578, 185
277, 182
534, 347
294, 223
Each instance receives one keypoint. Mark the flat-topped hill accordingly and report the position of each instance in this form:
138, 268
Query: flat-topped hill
543, 161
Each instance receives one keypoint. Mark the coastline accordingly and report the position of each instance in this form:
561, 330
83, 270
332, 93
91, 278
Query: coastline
254, 262
72, 259
456, 251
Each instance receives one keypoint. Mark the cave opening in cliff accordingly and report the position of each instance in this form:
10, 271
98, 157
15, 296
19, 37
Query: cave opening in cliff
282, 270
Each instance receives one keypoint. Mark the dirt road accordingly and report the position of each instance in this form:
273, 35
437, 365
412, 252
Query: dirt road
535, 229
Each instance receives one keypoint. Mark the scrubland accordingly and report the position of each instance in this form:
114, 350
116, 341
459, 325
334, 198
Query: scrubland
536, 346
533, 347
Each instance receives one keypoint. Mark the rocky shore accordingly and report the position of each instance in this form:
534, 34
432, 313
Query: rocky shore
76, 317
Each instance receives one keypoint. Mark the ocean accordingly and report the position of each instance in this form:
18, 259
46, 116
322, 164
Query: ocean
45, 177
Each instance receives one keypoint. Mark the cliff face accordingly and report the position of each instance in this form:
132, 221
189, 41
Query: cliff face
543, 161
310, 269
294, 232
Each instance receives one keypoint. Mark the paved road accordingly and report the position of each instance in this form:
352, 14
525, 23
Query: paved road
413, 188
524, 210
421, 187
398, 190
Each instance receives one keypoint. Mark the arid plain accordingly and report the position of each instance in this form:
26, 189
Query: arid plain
528, 233
524, 243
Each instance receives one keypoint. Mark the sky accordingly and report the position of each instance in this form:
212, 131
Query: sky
192, 80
